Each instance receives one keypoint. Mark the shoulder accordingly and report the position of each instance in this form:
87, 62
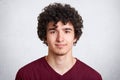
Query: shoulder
88, 71
31, 68
33, 64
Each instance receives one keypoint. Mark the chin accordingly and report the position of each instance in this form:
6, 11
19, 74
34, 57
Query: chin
60, 54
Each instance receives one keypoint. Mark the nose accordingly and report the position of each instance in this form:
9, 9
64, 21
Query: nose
60, 37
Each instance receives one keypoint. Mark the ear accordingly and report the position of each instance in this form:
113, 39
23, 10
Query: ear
45, 40
75, 39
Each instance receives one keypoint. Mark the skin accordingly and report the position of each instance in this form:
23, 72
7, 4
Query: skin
60, 39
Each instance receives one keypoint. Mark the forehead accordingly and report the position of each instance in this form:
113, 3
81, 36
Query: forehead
59, 24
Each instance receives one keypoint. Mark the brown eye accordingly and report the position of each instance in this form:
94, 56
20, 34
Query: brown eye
67, 31
52, 32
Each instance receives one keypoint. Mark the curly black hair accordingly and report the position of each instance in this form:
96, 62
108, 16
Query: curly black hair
59, 12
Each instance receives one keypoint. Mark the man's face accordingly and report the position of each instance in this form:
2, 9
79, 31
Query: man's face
60, 38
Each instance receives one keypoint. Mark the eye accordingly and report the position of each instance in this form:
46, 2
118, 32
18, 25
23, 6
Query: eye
67, 31
52, 31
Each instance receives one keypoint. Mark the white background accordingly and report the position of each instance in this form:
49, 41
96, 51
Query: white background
99, 46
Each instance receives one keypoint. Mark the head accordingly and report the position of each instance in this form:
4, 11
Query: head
59, 12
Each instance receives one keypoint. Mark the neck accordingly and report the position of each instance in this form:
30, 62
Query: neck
61, 64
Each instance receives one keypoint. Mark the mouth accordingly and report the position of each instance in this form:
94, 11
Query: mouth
60, 45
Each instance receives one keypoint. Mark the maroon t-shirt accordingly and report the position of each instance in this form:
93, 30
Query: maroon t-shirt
41, 70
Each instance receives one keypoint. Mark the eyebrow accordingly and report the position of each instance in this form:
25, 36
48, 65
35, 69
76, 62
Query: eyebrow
54, 28
68, 29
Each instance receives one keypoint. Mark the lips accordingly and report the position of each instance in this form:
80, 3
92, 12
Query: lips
60, 45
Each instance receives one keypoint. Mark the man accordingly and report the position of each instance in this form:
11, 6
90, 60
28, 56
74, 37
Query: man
59, 27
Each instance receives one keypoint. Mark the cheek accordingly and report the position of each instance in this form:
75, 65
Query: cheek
70, 39
50, 39
71, 36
